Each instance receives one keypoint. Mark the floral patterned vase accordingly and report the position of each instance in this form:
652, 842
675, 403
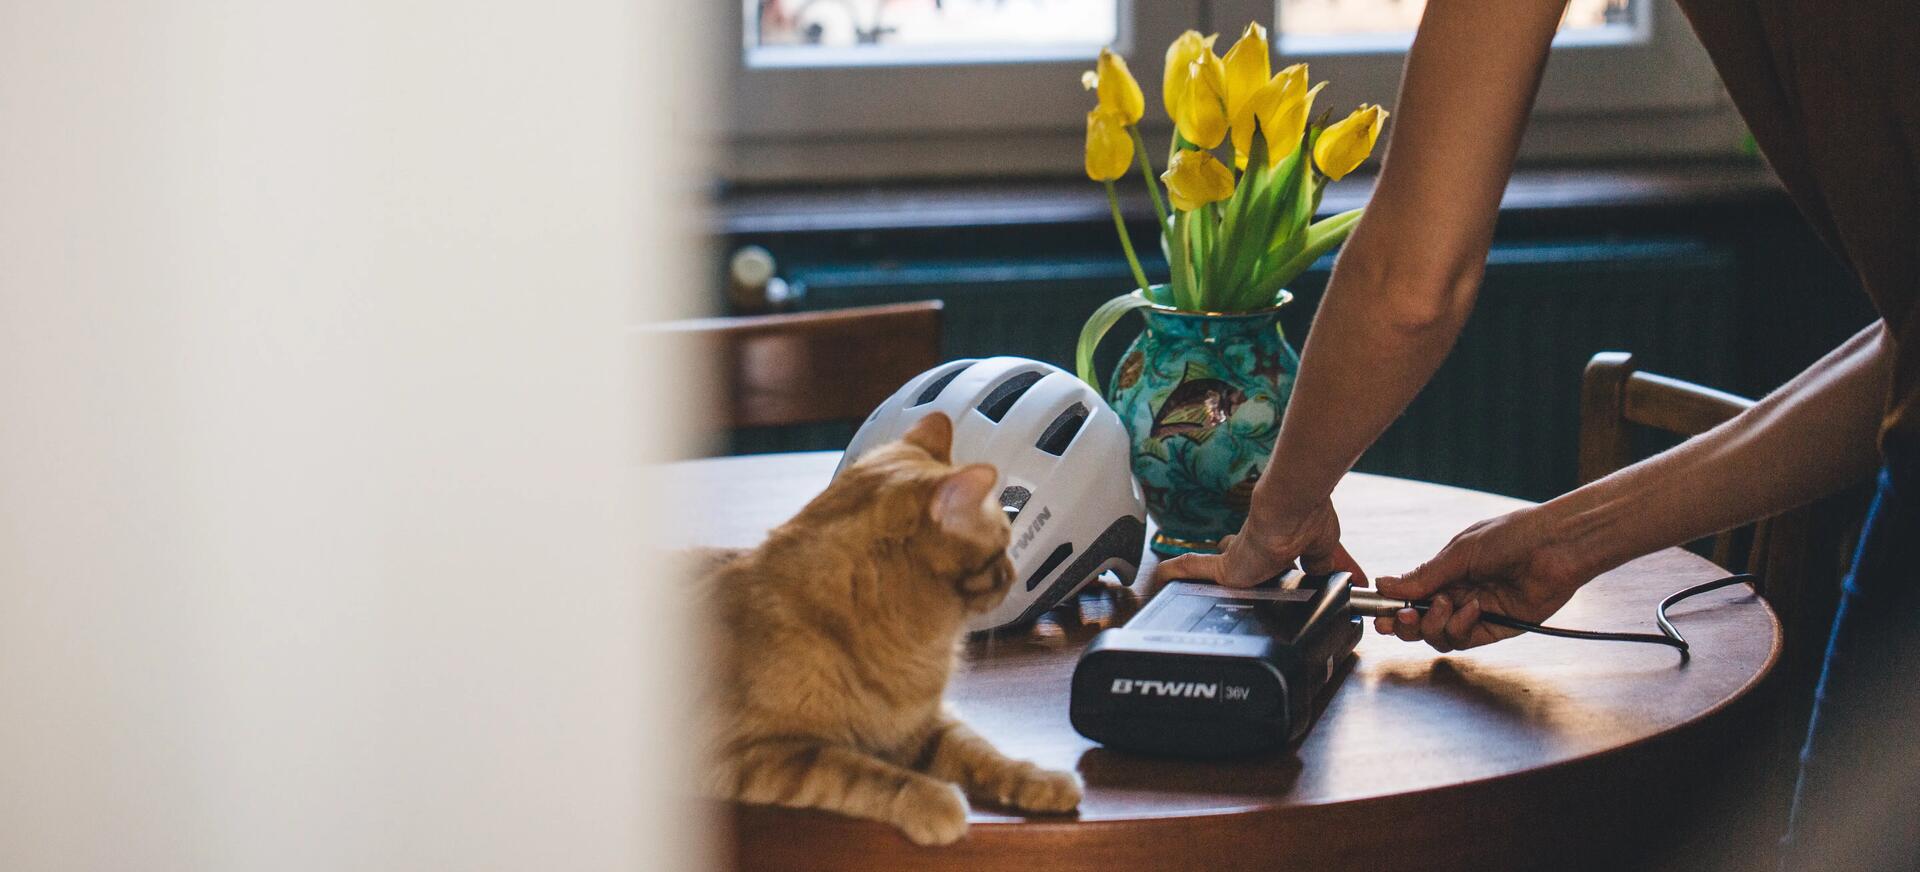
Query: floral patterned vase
1202, 395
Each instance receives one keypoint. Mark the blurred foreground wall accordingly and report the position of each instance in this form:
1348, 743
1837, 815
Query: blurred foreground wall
317, 543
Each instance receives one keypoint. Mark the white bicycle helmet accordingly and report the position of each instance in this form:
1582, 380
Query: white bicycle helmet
1065, 475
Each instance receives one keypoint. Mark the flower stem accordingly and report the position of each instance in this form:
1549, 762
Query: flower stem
1126, 242
1181, 263
1146, 172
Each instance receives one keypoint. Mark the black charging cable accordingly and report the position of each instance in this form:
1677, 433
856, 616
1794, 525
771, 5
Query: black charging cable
1366, 602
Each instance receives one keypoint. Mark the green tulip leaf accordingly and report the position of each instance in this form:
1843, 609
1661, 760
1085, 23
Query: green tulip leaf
1319, 239
1101, 321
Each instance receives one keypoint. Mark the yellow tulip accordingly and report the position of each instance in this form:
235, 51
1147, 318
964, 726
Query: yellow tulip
1195, 178
1347, 143
1109, 148
1281, 106
1180, 57
1247, 67
1118, 90
1202, 118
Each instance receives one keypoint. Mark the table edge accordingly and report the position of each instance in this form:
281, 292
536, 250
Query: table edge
1013, 821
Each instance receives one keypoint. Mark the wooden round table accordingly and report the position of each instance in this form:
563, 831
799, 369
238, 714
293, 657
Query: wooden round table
1532, 752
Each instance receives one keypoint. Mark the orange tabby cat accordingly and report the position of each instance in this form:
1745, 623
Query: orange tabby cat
839, 634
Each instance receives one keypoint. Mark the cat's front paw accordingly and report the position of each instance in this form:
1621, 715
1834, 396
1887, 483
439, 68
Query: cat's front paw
931, 813
1047, 790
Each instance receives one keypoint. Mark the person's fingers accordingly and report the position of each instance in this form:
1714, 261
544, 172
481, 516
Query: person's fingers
1487, 634
1433, 624
1383, 625
1345, 562
1406, 625
1247, 565
1203, 567
1335, 559
1460, 626
1445, 568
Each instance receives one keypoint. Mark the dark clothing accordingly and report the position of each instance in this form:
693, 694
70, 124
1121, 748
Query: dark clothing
1857, 806
1831, 91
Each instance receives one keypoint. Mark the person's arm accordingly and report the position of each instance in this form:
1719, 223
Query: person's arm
1405, 280
1811, 437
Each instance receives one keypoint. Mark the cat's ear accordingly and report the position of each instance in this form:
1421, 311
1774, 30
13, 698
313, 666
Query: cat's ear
959, 504
935, 434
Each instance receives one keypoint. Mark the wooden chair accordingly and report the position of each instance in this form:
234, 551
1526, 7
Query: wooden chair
814, 367
1615, 397
1797, 557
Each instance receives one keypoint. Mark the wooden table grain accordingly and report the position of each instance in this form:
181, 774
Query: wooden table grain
1532, 752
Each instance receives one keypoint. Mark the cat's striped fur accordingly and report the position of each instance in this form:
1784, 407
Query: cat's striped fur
837, 637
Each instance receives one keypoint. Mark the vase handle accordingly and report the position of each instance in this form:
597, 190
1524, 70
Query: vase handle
1101, 321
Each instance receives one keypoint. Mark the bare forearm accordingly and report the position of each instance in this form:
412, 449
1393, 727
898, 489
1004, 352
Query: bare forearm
1358, 373
1811, 437
1407, 278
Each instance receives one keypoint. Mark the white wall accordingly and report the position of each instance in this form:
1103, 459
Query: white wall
317, 547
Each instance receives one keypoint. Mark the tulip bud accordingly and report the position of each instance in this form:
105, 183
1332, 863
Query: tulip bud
1180, 57
1247, 67
1109, 148
1202, 118
1281, 106
1118, 90
1345, 144
1195, 178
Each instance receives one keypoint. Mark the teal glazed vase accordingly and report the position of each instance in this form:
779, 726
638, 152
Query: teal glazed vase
1202, 395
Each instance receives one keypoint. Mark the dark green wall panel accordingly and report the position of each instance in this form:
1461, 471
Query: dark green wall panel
1500, 415
1734, 297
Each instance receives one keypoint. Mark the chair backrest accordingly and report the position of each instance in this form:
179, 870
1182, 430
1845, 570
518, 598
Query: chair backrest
1796, 557
1615, 397
814, 367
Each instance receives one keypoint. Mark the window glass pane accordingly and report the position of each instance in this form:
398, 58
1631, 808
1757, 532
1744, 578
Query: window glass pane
842, 32
1389, 24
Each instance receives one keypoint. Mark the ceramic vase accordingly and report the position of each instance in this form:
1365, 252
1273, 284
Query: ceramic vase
1202, 395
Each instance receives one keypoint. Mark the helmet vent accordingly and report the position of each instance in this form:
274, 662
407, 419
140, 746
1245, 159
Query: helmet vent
934, 388
1013, 499
1052, 563
1000, 402
1060, 433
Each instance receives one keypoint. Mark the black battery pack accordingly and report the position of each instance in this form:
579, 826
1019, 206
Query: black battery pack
1210, 671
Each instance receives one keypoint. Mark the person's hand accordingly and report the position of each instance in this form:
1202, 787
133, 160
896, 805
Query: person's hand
1512, 565
1266, 547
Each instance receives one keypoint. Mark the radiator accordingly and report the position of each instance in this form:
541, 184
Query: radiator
1502, 413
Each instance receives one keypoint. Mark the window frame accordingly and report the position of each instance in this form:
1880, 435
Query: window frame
1662, 98
790, 101
1665, 70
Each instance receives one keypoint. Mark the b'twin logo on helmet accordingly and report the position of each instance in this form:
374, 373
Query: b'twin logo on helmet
1033, 531
1150, 687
